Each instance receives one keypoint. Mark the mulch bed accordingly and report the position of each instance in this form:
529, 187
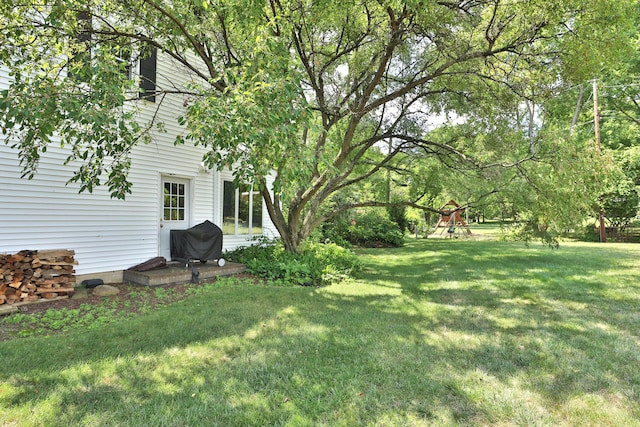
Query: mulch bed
128, 293
76, 301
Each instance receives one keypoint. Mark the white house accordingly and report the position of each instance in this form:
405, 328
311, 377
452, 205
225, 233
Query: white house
171, 190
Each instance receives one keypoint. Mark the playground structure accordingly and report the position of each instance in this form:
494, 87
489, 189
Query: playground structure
451, 220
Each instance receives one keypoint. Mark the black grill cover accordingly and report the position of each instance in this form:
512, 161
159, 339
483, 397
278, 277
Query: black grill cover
202, 242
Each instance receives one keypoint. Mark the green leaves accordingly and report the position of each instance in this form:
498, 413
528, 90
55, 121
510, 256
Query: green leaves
69, 90
256, 125
301, 91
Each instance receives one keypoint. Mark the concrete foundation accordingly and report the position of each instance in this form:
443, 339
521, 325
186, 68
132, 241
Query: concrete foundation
107, 277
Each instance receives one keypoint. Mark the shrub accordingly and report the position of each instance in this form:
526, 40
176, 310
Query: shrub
621, 203
398, 214
371, 229
374, 230
316, 264
332, 263
588, 233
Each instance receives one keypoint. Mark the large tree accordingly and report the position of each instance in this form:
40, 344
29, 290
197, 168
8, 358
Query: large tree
300, 89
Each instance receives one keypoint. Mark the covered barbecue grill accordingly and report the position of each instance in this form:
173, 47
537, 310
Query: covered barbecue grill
202, 242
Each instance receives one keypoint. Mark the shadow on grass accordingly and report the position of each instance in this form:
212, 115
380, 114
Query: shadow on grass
512, 336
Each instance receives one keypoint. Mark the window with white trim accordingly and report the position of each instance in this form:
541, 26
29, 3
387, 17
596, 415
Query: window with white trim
83, 53
174, 201
241, 210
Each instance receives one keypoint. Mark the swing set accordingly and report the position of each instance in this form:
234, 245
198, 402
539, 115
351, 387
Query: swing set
451, 220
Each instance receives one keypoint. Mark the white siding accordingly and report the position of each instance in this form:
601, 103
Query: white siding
107, 234
45, 214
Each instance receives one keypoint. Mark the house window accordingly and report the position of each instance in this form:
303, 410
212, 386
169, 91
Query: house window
83, 51
174, 201
229, 209
122, 51
148, 61
79, 66
241, 210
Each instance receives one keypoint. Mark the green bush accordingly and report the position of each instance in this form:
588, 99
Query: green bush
316, 264
588, 233
620, 203
398, 214
371, 229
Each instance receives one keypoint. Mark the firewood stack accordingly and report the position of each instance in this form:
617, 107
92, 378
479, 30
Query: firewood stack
29, 276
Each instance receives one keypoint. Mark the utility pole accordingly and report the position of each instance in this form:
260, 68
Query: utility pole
390, 145
596, 120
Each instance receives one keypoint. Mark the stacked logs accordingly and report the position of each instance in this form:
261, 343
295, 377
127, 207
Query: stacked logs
29, 276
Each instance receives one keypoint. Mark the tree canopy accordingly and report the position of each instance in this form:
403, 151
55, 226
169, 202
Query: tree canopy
319, 94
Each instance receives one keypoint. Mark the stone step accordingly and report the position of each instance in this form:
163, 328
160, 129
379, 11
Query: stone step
176, 273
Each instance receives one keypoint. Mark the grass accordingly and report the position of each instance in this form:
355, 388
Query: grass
439, 332
491, 228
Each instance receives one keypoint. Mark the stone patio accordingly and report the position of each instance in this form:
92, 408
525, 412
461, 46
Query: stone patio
177, 273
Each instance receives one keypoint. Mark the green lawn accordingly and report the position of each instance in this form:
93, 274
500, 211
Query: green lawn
440, 332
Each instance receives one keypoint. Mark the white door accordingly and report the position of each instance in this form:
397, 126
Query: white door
174, 214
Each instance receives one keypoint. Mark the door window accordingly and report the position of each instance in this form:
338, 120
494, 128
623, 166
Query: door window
174, 201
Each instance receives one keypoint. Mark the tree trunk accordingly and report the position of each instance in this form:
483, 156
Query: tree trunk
287, 227
290, 243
